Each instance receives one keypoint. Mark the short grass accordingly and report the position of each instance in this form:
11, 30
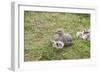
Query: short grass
39, 28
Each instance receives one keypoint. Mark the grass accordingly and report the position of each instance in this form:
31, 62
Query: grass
39, 28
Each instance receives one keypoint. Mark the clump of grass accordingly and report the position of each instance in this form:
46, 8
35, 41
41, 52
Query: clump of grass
39, 28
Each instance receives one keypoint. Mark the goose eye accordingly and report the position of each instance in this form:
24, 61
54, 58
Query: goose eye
57, 44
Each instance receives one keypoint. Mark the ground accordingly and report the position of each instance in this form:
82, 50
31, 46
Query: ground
39, 28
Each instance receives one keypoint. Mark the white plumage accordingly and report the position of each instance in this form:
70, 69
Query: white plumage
58, 44
85, 34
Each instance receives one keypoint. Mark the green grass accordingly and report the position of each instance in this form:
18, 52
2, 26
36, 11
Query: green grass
39, 28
